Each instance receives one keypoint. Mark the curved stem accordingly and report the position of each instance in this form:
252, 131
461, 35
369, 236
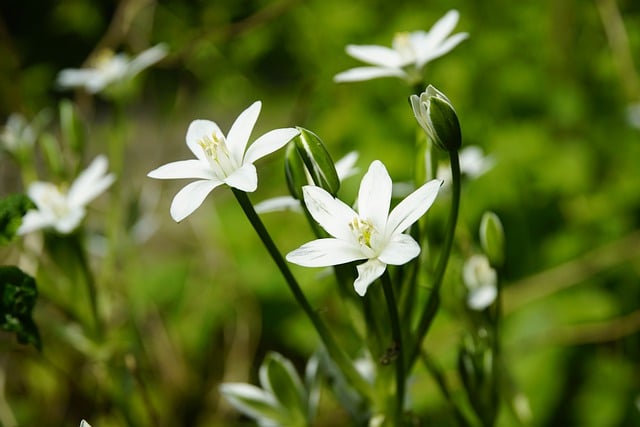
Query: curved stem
433, 301
396, 332
337, 355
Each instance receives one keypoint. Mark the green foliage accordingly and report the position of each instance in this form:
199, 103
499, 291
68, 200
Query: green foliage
18, 295
12, 208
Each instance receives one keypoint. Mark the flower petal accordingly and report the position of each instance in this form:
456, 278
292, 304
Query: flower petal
147, 58
198, 129
325, 252
268, 143
90, 183
400, 249
412, 207
332, 214
345, 167
442, 49
35, 220
368, 272
482, 297
70, 221
277, 204
183, 169
245, 178
190, 198
375, 55
374, 196
444, 26
359, 74
241, 129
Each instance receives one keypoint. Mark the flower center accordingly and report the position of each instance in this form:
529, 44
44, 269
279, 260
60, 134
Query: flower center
217, 152
55, 201
364, 230
402, 44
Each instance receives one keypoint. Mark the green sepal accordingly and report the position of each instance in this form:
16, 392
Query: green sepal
18, 294
492, 238
318, 162
446, 124
12, 209
295, 171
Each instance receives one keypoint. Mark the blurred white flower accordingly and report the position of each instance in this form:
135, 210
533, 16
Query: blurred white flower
64, 210
220, 160
473, 164
409, 53
633, 114
83, 423
110, 68
481, 281
345, 167
372, 234
18, 134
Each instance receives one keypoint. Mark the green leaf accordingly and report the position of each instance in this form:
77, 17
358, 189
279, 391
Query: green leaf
18, 295
279, 377
12, 209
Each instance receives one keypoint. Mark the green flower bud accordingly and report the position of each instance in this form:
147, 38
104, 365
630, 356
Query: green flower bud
492, 238
308, 163
436, 115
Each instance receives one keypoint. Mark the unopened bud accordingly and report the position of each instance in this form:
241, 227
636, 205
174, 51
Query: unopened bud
436, 115
492, 238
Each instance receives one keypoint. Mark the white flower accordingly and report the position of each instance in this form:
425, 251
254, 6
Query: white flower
473, 163
220, 160
372, 233
64, 210
83, 423
110, 68
481, 281
410, 52
345, 167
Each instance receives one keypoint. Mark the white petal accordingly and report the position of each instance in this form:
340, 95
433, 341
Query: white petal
332, 214
147, 58
70, 221
196, 131
240, 131
238, 393
325, 252
245, 178
444, 26
90, 183
345, 167
269, 142
376, 55
367, 274
442, 48
412, 207
359, 74
183, 169
481, 298
39, 192
277, 204
401, 249
73, 77
190, 198
374, 196
34, 220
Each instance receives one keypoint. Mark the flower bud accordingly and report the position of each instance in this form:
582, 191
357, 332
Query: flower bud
308, 162
438, 118
492, 238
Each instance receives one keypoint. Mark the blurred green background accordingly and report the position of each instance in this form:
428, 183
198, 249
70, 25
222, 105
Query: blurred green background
543, 86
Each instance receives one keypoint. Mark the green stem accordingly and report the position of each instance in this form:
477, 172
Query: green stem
337, 355
89, 280
396, 332
433, 301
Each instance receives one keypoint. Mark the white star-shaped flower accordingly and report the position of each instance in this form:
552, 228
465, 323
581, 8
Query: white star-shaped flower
220, 160
109, 69
409, 53
372, 234
64, 210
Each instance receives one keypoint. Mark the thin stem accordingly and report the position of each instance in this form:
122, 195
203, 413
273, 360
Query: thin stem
396, 332
89, 279
337, 355
433, 301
